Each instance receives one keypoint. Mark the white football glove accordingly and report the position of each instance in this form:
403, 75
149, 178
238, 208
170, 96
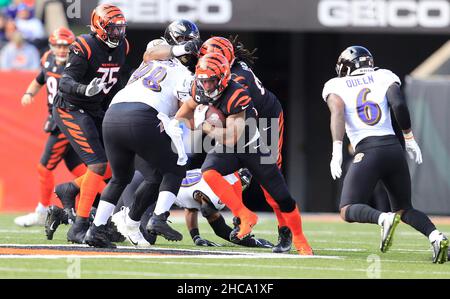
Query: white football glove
336, 160
94, 87
200, 115
175, 132
412, 148
173, 129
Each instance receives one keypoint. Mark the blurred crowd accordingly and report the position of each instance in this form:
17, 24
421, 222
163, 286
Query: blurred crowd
22, 36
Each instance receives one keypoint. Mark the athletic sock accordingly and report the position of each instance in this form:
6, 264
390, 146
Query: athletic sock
79, 180
223, 189
275, 207
47, 184
104, 211
419, 221
79, 170
88, 191
435, 235
381, 218
164, 202
362, 213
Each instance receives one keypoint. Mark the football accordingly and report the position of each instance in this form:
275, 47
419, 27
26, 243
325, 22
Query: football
215, 117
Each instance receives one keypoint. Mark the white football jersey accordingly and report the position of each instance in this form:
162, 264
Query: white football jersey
154, 84
366, 107
194, 182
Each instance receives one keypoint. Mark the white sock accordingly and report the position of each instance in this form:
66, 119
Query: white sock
381, 218
104, 211
165, 202
435, 235
40, 209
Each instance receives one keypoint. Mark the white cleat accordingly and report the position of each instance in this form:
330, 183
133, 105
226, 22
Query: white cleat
32, 219
387, 231
131, 232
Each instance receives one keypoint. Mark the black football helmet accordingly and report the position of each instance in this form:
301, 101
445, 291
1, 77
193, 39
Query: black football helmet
181, 31
353, 58
178, 33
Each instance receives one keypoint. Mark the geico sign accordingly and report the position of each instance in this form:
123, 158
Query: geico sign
383, 13
161, 11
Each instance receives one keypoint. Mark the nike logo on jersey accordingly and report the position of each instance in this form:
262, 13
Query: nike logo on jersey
265, 129
244, 107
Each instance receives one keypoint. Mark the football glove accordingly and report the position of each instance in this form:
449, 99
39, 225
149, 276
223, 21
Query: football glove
94, 87
412, 148
193, 46
200, 115
336, 160
199, 241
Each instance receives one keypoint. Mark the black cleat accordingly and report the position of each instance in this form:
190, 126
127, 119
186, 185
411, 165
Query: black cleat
98, 236
148, 236
77, 231
158, 226
251, 241
233, 235
113, 233
55, 217
284, 240
67, 193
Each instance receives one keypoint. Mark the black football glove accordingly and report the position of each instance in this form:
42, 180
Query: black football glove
199, 241
193, 46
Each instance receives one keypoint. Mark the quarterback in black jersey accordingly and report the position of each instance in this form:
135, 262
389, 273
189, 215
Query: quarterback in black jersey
90, 78
213, 86
268, 108
57, 147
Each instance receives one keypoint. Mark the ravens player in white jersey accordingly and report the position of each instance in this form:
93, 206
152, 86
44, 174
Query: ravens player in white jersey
133, 126
359, 100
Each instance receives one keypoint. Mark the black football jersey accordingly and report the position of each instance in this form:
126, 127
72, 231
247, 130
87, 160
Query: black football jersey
49, 75
91, 58
235, 99
265, 102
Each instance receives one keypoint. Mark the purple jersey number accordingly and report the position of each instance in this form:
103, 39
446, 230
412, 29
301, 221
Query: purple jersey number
369, 112
155, 76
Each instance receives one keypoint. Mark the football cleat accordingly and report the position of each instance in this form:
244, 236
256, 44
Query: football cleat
31, 219
98, 236
302, 246
251, 241
132, 233
248, 220
77, 231
440, 250
113, 234
158, 226
55, 217
284, 240
148, 236
233, 235
67, 194
387, 231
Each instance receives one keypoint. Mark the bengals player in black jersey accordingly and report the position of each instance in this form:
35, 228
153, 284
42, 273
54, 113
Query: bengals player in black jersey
238, 145
90, 79
57, 147
269, 109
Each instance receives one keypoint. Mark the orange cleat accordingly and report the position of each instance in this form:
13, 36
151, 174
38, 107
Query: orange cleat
248, 220
302, 246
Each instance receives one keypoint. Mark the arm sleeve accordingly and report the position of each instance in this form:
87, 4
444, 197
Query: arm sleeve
75, 70
239, 102
40, 78
397, 102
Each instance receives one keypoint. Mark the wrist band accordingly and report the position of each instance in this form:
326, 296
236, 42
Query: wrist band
408, 135
178, 50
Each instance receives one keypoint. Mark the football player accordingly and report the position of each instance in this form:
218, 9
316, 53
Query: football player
268, 107
237, 145
359, 100
57, 147
137, 123
89, 80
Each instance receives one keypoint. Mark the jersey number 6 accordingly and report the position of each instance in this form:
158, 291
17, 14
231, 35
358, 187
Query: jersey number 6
369, 112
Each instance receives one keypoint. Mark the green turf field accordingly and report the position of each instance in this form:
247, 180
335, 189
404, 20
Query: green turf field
349, 251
